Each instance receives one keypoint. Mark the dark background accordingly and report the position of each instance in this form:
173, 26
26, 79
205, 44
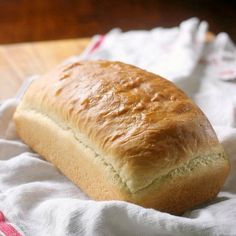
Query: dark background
34, 20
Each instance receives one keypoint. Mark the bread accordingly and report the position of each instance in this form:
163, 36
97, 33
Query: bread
122, 133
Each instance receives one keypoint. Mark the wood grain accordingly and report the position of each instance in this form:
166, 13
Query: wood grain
19, 61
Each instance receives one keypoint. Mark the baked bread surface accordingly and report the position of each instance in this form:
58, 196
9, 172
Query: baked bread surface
123, 133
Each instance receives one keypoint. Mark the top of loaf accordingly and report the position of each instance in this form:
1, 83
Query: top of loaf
139, 123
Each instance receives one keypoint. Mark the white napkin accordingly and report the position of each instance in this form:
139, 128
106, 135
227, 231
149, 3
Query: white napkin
38, 200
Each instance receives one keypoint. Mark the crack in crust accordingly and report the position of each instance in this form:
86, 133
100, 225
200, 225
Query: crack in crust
181, 170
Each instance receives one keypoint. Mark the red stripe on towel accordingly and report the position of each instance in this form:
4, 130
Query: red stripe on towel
97, 44
7, 228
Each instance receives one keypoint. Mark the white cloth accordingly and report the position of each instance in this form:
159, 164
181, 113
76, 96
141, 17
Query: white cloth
39, 200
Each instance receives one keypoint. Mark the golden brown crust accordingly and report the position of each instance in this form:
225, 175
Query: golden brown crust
136, 123
181, 189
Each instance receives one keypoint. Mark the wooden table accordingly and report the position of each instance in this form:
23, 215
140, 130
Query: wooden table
19, 61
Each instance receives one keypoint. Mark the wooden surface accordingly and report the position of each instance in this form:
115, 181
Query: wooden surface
25, 20
19, 61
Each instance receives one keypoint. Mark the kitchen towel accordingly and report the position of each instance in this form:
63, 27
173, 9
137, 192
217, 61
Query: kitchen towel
37, 200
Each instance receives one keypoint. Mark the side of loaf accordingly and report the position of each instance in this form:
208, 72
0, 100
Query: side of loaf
122, 133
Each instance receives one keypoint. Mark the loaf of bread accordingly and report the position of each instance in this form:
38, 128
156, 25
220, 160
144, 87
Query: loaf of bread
122, 133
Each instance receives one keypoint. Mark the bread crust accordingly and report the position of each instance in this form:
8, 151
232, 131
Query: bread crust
122, 133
